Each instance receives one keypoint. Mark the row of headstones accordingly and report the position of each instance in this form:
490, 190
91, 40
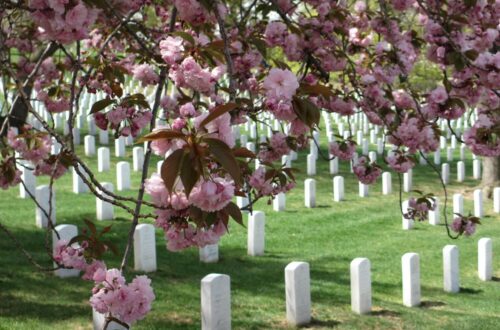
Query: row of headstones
216, 301
145, 244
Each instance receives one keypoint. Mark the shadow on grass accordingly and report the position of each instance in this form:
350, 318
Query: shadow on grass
431, 304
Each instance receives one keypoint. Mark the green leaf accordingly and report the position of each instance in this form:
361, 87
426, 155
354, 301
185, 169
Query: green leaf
170, 168
100, 105
186, 36
217, 112
224, 155
161, 134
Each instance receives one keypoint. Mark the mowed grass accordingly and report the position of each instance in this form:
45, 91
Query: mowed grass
328, 237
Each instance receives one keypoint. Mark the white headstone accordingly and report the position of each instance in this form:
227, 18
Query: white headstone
460, 171
216, 302
76, 136
458, 203
445, 173
437, 157
104, 210
209, 253
334, 165
407, 223
386, 183
103, 159
89, 142
361, 286
311, 164
476, 169
496, 200
372, 155
122, 176
363, 189
463, 148
478, 203
242, 202
138, 158
338, 188
103, 137
485, 259
408, 180
99, 321
256, 233
79, 187
66, 232
145, 248
29, 180
451, 278
298, 293
434, 215
310, 193
380, 146
279, 202
120, 147
42, 195
411, 279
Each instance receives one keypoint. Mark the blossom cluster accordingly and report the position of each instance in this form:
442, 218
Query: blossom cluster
418, 208
366, 171
125, 120
127, 302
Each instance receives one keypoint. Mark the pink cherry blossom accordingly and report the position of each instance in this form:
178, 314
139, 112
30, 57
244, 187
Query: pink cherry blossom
280, 84
211, 196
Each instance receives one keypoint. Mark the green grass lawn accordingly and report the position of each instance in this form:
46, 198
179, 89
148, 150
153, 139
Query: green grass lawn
328, 237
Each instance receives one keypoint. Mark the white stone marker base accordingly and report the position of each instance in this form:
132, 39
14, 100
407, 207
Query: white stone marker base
411, 279
298, 293
451, 278
145, 248
386, 183
338, 188
361, 286
216, 302
279, 202
99, 320
209, 253
256, 233
103, 159
122, 176
485, 259
104, 210
42, 194
310, 193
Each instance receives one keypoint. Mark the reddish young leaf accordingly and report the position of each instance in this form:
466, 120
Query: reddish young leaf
100, 105
317, 89
224, 155
234, 211
217, 112
170, 168
161, 134
189, 175
91, 226
243, 152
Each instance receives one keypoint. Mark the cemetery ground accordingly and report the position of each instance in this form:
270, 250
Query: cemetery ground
328, 237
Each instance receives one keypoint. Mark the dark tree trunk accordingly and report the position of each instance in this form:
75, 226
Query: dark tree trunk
491, 174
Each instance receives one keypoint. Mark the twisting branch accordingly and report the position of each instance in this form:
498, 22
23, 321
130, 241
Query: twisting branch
147, 158
227, 54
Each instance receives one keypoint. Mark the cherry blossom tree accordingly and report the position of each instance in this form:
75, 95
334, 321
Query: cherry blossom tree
199, 68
